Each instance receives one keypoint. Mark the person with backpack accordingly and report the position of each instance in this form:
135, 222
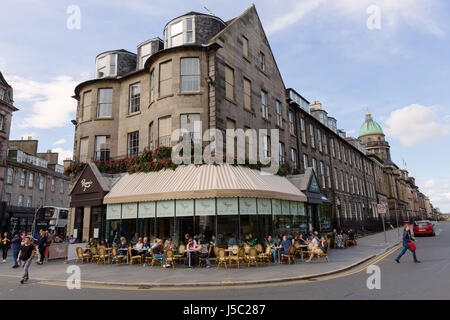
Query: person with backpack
408, 244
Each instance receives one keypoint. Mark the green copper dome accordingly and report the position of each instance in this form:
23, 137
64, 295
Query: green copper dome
370, 126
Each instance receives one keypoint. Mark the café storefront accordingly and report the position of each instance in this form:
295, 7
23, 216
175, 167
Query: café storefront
318, 207
230, 202
87, 214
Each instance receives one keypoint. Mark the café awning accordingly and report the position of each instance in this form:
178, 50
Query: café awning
198, 182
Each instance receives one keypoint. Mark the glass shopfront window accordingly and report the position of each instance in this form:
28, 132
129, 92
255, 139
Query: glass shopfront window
248, 219
147, 228
165, 213
227, 221
325, 217
205, 226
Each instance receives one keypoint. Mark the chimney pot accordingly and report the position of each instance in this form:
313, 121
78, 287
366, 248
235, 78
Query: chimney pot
29, 137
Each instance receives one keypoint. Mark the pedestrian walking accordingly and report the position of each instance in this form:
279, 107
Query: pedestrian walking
408, 244
15, 247
6, 243
26, 255
42, 245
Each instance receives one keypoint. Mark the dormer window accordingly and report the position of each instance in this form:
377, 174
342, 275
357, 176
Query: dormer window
106, 66
179, 32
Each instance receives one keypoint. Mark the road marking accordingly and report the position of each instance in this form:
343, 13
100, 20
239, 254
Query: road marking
228, 286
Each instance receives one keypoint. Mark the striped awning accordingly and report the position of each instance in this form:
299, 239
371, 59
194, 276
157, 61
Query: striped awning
198, 182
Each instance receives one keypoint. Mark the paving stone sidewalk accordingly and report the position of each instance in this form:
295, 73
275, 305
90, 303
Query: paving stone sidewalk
134, 274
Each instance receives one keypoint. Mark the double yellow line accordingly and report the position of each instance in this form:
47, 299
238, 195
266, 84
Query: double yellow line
229, 285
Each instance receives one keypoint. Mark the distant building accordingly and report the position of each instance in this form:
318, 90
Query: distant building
6, 110
33, 180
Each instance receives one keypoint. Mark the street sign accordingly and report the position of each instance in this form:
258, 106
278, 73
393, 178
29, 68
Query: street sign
381, 208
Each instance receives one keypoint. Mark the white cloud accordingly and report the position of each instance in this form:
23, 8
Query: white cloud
416, 14
60, 141
295, 14
52, 105
429, 184
63, 154
416, 124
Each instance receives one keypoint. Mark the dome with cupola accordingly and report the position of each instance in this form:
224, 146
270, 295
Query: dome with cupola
370, 127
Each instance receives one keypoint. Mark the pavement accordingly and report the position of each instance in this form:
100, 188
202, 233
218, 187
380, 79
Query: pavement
368, 248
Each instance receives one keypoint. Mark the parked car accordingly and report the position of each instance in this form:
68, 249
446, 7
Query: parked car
423, 227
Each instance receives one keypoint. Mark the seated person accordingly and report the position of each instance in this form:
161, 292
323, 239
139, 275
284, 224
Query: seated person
139, 247
203, 252
273, 249
310, 236
232, 240
90, 244
192, 251
122, 248
158, 252
323, 245
339, 240
168, 244
301, 240
315, 248
285, 244
351, 237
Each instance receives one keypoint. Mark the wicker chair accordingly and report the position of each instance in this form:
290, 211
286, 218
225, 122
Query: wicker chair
252, 257
157, 260
94, 255
266, 256
238, 258
133, 258
200, 260
103, 255
216, 253
170, 257
290, 256
81, 255
324, 255
118, 257
221, 258
259, 247
181, 253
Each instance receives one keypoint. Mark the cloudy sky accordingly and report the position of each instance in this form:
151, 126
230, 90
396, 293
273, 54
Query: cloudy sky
388, 56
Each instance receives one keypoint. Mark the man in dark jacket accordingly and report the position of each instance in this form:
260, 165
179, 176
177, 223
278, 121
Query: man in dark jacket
407, 238
42, 244
15, 246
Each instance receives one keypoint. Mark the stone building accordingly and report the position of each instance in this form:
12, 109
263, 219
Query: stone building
33, 180
224, 75
6, 110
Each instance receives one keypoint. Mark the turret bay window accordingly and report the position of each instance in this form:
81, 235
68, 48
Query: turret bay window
314, 165
305, 162
266, 146
336, 184
106, 66
135, 98
187, 122
325, 144
165, 79
342, 180
151, 137
86, 109
52, 184
264, 107
190, 75
2, 122
133, 144
104, 103
179, 33
20, 201
84, 144
102, 151
229, 83
164, 132
152, 86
